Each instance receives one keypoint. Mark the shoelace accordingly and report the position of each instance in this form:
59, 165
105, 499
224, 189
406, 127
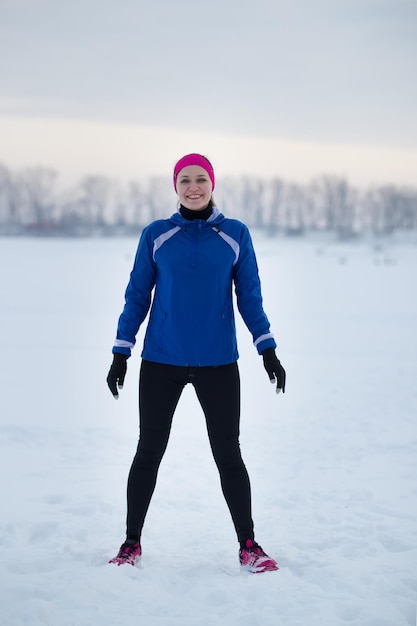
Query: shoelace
255, 549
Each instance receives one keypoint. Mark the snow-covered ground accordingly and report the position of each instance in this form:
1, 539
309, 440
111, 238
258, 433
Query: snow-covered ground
333, 463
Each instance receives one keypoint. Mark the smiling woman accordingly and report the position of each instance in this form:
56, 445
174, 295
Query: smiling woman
194, 181
184, 272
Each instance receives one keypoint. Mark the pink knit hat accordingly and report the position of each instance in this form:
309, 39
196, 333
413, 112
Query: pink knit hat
194, 159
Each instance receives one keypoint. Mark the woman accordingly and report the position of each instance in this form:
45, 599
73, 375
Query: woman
191, 261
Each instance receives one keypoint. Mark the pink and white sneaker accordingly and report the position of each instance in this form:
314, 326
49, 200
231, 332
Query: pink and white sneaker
129, 552
253, 559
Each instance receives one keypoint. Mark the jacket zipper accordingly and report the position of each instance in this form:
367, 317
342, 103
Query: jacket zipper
194, 244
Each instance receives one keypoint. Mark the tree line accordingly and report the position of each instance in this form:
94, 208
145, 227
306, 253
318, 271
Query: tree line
33, 203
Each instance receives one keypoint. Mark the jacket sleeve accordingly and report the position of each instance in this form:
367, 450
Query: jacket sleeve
249, 296
137, 296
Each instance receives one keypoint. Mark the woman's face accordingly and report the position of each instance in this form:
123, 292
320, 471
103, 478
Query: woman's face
194, 187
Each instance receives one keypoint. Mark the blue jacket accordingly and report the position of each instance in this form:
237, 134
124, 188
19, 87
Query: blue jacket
191, 265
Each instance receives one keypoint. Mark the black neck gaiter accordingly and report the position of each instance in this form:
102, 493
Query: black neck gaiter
203, 214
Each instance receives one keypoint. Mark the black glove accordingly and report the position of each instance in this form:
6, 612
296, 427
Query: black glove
274, 368
117, 373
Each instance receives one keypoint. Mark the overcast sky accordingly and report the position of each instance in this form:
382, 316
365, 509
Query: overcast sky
317, 73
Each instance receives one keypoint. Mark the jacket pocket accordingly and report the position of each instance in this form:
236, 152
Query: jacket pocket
161, 332
228, 335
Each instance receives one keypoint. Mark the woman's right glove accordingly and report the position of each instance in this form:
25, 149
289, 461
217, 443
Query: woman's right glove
274, 369
117, 373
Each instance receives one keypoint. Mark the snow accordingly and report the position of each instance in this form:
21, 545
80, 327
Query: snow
332, 462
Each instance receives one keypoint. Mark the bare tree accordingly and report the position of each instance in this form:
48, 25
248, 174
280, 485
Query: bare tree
10, 201
295, 209
390, 208
95, 196
409, 209
160, 199
252, 201
334, 203
226, 197
275, 194
38, 191
29, 200
138, 204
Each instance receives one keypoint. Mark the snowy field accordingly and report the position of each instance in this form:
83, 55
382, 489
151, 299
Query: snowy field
333, 463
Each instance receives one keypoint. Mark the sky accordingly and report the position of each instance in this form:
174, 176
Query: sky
272, 87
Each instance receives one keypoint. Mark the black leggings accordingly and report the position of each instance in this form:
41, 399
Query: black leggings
218, 391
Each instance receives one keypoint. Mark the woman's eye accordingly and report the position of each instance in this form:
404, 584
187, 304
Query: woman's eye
187, 181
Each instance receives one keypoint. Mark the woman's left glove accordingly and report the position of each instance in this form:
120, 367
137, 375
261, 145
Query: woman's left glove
117, 373
274, 369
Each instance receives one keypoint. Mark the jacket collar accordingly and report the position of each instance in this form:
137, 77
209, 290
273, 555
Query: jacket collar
215, 217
